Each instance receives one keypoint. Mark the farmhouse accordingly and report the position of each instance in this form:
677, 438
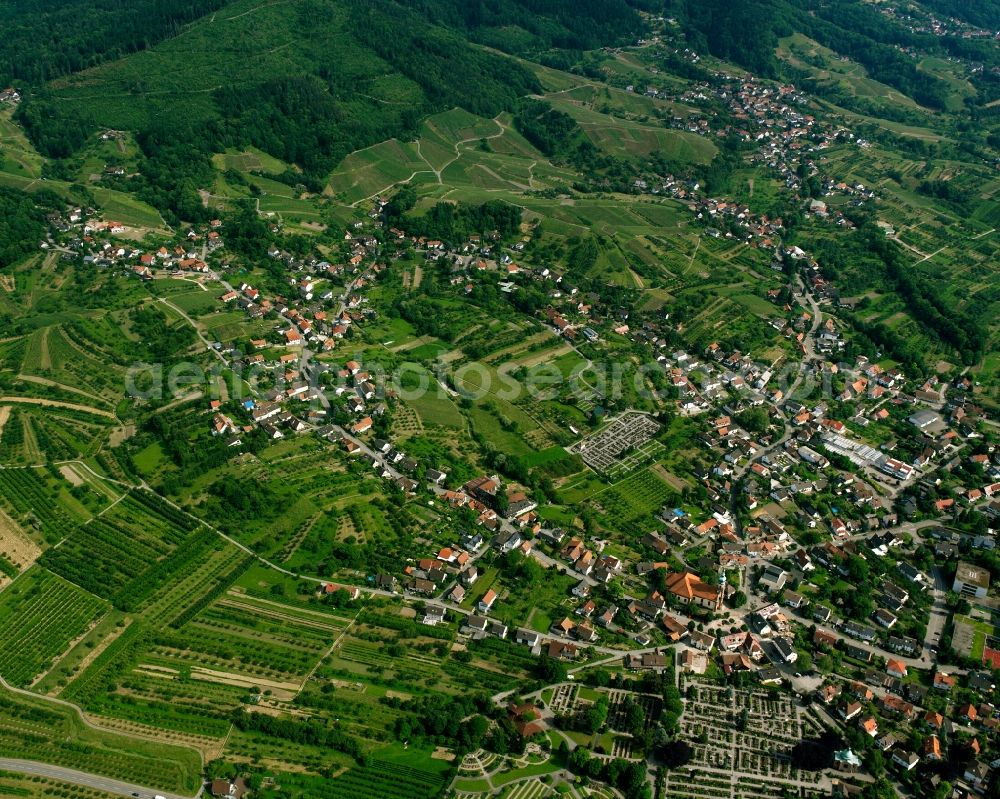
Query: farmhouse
228, 789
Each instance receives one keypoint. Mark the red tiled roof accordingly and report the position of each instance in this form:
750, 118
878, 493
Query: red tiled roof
689, 586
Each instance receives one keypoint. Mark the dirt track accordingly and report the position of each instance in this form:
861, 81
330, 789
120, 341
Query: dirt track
57, 404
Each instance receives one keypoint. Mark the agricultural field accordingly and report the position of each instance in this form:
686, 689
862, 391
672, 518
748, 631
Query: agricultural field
636, 497
40, 614
34, 787
367, 172
625, 138
34, 729
111, 554
250, 160
18, 156
393, 773
41, 503
392, 652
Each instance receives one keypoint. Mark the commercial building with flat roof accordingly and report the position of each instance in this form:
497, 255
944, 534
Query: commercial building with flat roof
971, 580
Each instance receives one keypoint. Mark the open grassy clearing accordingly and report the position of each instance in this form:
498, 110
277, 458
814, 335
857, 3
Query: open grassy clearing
251, 159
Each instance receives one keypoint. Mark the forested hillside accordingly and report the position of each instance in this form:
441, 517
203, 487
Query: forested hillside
855, 30
526, 26
977, 12
42, 40
307, 81
22, 225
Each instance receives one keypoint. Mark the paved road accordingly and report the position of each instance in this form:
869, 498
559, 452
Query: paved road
197, 330
808, 342
83, 778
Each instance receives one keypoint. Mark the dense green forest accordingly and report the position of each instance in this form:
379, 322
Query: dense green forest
553, 132
720, 27
521, 26
42, 40
45, 39
985, 13
22, 225
453, 223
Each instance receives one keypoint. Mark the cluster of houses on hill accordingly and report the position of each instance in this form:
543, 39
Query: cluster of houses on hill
100, 242
786, 139
290, 406
923, 20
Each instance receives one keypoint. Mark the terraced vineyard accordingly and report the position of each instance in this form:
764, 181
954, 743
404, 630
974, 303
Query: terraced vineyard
389, 780
173, 586
108, 687
64, 433
39, 615
12, 441
636, 496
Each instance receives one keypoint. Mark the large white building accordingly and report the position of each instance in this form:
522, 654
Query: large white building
971, 580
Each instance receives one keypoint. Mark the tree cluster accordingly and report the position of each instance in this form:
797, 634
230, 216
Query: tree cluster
627, 776
458, 721
453, 223
22, 225
311, 732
